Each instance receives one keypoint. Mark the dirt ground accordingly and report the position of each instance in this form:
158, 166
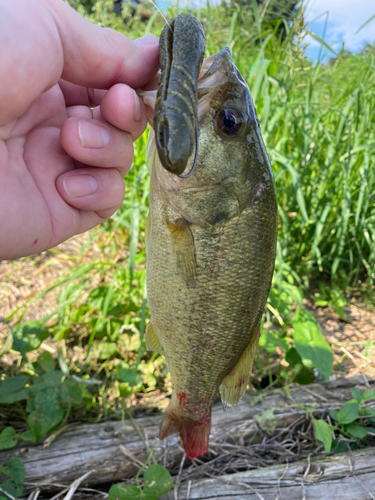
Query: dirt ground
352, 340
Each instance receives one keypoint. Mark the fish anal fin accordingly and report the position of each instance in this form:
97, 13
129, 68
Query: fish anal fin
152, 339
184, 248
233, 386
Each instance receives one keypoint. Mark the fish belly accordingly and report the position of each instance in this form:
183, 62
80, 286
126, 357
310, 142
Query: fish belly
207, 288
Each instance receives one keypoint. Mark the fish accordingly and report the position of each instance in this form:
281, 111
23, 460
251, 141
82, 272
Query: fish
210, 245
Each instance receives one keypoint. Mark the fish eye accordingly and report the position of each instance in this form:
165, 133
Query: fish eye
229, 121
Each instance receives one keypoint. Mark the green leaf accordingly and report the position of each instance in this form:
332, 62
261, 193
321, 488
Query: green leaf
369, 412
323, 433
364, 24
357, 395
129, 375
15, 470
334, 415
304, 376
157, 482
310, 342
29, 435
348, 413
293, 358
8, 438
269, 342
45, 403
369, 395
13, 389
356, 431
321, 41
28, 336
46, 362
74, 391
13, 489
125, 492
107, 350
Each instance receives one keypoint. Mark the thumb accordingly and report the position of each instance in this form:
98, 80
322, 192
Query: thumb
45, 40
100, 57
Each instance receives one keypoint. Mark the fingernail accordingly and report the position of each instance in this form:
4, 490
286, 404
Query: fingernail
137, 110
77, 186
147, 40
92, 135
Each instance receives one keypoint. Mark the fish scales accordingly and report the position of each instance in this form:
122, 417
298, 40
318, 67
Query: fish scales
211, 243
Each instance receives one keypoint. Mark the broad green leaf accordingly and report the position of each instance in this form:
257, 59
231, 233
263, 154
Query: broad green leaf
13, 389
15, 470
348, 413
8, 438
129, 375
157, 482
106, 349
125, 492
323, 433
269, 341
310, 342
13, 489
334, 415
369, 412
357, 395
46, 362
73, 393
29, 435
293, 358
369, 395
357, 431
45, 403
28, 336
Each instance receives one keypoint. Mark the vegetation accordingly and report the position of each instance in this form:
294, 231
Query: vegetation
318, 123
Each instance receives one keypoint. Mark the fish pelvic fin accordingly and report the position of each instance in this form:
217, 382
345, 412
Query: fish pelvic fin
184, 248
194, 433
152, 339
233, 386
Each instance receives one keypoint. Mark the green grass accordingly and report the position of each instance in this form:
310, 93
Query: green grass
318, 125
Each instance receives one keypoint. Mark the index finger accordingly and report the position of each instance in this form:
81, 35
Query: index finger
100, 57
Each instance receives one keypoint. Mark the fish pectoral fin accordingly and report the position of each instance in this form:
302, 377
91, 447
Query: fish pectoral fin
148, 232
184, 248
233, 386
152, 339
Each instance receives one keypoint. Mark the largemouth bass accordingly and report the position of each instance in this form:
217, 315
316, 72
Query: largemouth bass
210, 243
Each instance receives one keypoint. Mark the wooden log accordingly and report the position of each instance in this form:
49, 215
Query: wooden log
338, 477
114, 450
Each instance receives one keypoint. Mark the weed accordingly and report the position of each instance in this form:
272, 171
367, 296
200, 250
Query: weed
351, 423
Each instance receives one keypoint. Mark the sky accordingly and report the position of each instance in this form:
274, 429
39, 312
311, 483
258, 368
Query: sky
344, 18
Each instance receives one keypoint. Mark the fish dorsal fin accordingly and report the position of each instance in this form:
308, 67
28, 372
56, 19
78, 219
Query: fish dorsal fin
152, 339
233, 386
184, 248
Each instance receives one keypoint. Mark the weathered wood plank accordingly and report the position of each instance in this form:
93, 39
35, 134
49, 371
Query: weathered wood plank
98, 446
338, 477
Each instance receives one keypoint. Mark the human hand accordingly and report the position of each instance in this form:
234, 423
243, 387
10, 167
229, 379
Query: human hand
61, 163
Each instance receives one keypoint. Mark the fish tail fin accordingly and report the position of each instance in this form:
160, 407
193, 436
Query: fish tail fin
194, 438
194, 434
233, 386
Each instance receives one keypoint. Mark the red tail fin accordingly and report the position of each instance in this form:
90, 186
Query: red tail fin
194, 434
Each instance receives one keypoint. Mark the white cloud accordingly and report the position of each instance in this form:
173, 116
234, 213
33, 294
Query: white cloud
345, 17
